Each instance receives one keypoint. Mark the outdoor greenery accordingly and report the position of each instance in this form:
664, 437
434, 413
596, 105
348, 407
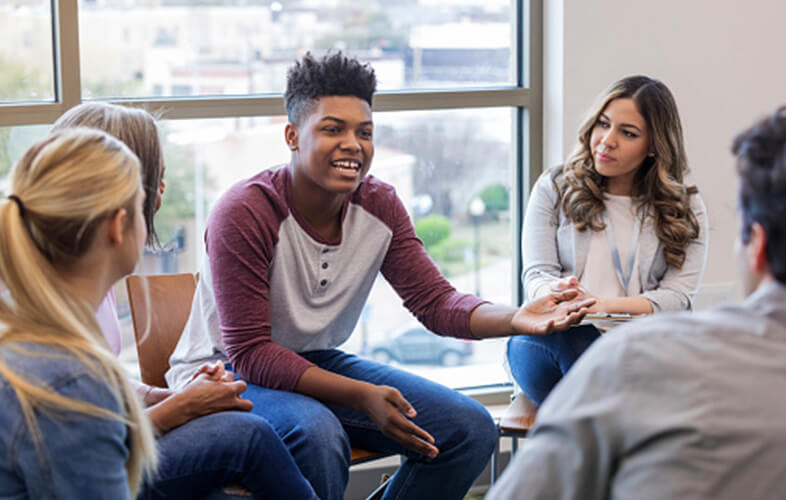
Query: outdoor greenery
496, 198
432, 229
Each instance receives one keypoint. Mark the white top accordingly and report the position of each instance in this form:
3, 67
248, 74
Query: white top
600, 276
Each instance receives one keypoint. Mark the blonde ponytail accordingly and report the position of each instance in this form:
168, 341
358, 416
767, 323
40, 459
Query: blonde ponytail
63, 188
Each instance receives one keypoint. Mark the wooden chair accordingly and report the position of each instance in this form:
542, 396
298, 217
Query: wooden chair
516, 421
157, 330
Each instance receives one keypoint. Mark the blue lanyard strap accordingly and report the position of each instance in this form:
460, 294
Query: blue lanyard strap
623, 276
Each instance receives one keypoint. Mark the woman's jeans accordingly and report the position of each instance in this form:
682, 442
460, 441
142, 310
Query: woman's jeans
538, 362
318, 435
227, 448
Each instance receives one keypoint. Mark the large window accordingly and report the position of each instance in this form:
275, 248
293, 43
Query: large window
456, 126
26, 63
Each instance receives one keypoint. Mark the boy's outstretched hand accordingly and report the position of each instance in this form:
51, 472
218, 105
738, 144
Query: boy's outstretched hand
554, 312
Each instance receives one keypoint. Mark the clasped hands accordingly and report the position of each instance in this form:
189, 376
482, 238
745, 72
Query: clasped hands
212, 388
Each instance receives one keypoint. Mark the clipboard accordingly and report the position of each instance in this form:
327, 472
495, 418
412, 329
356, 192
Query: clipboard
607, 321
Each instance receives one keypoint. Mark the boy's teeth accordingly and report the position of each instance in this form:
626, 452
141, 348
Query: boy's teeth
346, 164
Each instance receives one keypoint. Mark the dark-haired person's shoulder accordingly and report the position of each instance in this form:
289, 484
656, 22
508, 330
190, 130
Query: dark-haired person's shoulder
665, 337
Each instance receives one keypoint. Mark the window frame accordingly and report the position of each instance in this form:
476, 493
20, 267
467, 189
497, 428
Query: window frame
525, 98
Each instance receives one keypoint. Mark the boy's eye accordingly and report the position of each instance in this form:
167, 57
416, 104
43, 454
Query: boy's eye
331, 130
366, 134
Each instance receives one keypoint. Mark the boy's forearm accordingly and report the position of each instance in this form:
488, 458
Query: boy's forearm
491, 320
329, 387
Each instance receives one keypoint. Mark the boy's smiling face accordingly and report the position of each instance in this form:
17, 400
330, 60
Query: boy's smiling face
334, 144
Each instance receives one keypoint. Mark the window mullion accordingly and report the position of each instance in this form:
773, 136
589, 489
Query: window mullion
68, 86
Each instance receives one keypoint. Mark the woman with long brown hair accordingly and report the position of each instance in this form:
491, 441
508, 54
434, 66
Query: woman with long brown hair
617, 221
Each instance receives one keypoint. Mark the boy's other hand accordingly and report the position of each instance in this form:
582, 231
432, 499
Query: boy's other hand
388, 409
554, 312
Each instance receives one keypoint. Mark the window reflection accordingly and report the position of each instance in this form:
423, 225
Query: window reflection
26, 59
228, 47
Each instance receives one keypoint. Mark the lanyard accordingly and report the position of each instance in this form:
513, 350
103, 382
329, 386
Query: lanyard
615, 254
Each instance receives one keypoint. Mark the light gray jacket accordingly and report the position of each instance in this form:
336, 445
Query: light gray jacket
552, 248
673, 406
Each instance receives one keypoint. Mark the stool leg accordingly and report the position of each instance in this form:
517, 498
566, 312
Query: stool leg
514, 446
494, 462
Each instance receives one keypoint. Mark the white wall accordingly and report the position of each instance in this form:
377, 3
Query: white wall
722, 59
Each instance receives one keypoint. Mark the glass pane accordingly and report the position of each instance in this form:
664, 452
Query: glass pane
443, 164
14, 141
26, 60
138, 48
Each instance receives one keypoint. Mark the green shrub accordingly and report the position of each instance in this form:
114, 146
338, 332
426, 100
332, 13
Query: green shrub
451, 250
496, 198
432, 229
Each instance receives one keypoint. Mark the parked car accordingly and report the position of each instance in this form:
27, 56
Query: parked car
419, 345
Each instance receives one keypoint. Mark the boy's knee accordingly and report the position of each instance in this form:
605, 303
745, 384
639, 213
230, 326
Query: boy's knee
324, 435
475, 428
484, 431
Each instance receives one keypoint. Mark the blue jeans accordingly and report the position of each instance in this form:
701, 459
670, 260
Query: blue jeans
227, 448
318, 435
538, 362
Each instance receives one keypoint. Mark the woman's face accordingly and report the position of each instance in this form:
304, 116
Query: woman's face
619, 143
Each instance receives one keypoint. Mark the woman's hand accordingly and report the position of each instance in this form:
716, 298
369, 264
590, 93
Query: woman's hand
388, 409
556, 311
569, 283
205, 395
214, 371
202, 396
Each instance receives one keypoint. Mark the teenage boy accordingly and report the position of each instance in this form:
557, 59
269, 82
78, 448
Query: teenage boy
293, 253
681, 405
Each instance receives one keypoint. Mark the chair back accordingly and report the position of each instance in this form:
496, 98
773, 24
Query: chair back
162, 315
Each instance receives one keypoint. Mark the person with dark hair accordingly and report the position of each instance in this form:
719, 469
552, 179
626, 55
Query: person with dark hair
681, 405
292, 255
617, 220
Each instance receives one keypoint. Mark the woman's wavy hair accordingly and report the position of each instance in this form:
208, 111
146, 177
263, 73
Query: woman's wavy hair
658, 186
137, 129
63, 189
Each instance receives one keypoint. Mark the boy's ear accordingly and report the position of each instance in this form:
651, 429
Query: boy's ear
291, 136
116, 226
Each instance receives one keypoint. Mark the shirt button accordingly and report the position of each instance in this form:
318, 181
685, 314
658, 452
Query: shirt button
324, 265
323, 282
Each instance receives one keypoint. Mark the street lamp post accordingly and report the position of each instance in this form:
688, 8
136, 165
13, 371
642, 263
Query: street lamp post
476, 210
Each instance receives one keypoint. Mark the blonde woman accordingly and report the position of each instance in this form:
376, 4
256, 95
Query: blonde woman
206, 437
70, 425
617, 221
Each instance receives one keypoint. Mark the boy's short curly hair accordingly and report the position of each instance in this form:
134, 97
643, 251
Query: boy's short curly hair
332, 75
761, 165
